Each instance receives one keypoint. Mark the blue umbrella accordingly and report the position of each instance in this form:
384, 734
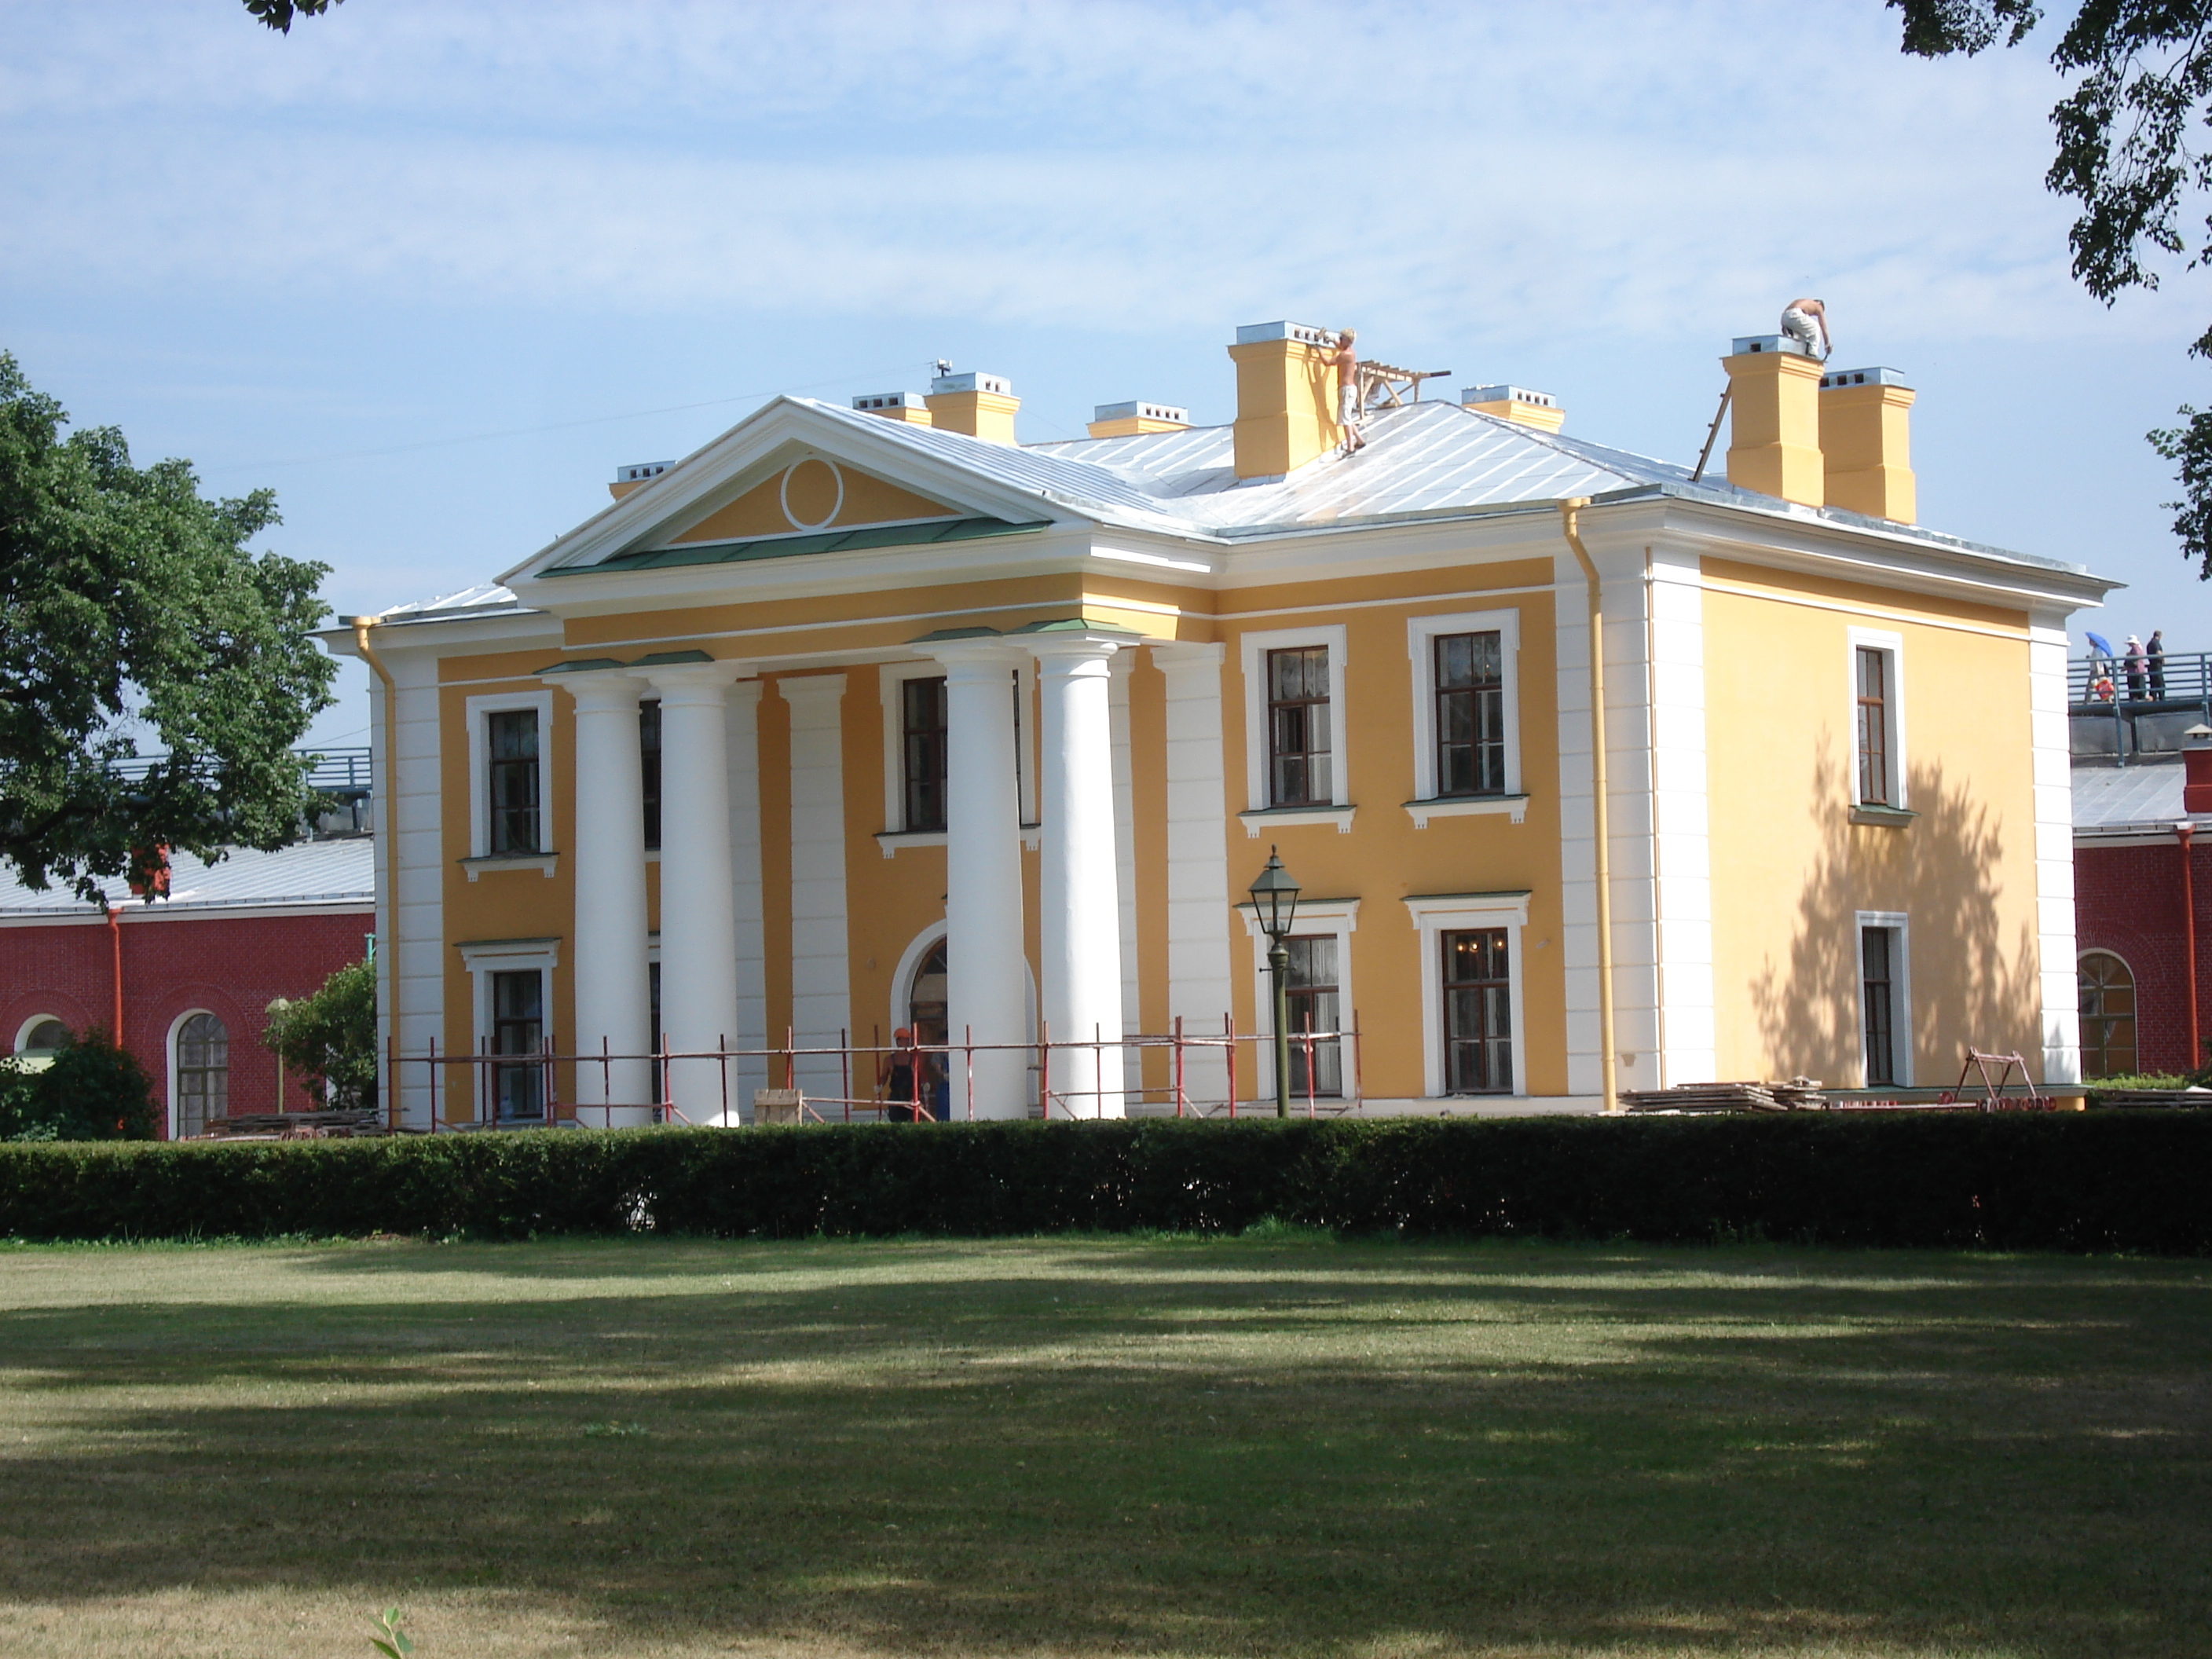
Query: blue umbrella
2101, 646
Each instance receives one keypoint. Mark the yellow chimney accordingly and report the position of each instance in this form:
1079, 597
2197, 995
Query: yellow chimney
1774, 419
981, 406
637, 473
1286, 399
1866, 439
903, 406
1513, 403
1129, 420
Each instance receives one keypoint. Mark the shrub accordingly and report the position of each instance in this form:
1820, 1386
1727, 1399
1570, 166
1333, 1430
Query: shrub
92, 1091
328, 1040
2127, 1181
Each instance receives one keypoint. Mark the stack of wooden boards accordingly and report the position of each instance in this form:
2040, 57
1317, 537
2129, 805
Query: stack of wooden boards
1799, 1094
366, 1120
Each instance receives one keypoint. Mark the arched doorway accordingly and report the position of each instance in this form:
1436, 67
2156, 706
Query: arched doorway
2108, 1015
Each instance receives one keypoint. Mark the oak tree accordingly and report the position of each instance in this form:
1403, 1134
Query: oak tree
2141, 91
155, 674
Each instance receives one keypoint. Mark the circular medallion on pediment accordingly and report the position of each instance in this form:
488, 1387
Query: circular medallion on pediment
813, 491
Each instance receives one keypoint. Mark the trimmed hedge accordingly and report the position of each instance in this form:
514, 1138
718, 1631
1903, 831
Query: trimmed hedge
2096, 1180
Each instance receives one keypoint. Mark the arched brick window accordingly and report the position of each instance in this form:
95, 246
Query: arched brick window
2108, 1015
202, 1071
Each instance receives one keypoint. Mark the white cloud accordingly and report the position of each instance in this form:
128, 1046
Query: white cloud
1112, 166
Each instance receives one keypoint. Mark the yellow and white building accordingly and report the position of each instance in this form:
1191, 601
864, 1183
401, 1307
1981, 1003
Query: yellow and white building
860, 715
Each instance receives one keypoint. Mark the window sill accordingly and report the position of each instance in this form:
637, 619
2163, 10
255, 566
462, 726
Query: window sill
1254, 821
1895, 818
544, 863
891, 840
1467, 806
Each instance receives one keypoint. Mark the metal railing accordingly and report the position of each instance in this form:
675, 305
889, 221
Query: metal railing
2148, 705
1067, 1081
342, 772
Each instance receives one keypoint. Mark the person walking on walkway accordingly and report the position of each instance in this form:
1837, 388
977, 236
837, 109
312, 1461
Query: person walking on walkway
2136, 664
2155, 652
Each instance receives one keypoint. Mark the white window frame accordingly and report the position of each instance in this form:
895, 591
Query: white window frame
481, 960
892, 677
479, 711
1900, 991
24, 1031
1252, 658
1421, 634
1314, 918
1435, 914
176, 1031
1891, 645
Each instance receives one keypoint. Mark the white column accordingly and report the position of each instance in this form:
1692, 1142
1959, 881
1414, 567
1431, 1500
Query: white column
988, 990
614, 1010
1080, 909
410, 875
745, 1076
1197, 857
698, 916
2054, 846
821, 979
1123, 663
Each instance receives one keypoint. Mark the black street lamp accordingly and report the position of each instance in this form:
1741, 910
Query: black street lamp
1275, 898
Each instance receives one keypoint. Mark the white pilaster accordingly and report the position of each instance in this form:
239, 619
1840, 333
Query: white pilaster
988, 990
1198, 913
1630, 805
1079, 918
2054, 846
744, 720
698, 918
614, 1010
821, 982
1123, 663
1680, 839
411, 872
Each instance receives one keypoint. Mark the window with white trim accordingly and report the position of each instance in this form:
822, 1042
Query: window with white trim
1474, 1021
512, 981
1467, 713
1294, 720
1885, 1001
917, 749
511, 775
1320, 988
1877, 725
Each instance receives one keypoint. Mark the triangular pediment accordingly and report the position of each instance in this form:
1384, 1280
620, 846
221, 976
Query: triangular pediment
807, 494
796, 477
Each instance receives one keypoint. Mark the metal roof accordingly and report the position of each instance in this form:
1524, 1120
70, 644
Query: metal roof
308, 873
1421, 461
2144, 794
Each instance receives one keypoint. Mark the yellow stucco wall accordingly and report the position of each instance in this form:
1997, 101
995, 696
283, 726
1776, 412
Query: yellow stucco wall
1790, 871
1385, 859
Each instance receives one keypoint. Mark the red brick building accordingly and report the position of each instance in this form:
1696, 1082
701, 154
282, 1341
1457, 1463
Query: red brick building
2142, 908
198, 968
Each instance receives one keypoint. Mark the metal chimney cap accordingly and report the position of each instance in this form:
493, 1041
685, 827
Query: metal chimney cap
972, 381
1835, 377
639, 472
1137, 408
1253, 333
874, 400
1780, 345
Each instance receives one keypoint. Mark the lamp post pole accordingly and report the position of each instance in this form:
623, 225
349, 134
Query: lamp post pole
1275, 902
1278, 965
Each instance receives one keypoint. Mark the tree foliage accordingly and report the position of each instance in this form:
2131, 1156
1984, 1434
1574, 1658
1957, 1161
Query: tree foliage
92, 1091
130, 608
2142, 74
329, 1039
278, 14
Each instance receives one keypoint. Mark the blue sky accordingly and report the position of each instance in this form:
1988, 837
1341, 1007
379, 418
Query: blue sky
432, 271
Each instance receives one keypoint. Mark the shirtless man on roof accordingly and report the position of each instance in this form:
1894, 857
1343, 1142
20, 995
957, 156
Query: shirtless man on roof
1346, 362
1806, 321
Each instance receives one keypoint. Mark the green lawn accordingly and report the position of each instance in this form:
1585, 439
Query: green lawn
1268, 1446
